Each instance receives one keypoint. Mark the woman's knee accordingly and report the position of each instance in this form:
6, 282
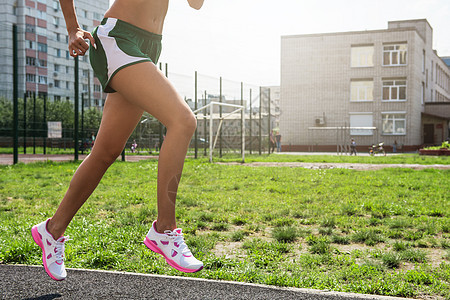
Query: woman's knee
187, 123
106, 155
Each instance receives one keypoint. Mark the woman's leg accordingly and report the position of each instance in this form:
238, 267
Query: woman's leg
118, 122
145, 86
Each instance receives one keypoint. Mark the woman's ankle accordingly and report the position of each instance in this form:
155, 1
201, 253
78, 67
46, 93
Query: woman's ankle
161, 226
54, 230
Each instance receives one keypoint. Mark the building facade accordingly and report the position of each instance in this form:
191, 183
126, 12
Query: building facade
374, 86
45, 67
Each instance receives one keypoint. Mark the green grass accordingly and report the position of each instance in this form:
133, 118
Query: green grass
383, 232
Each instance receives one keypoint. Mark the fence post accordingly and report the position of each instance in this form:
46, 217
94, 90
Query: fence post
25, 123
15, 98
268, 120
34, 123
242, 123
260, 118
204, 125
195, 108
250, 121
76, 110
45, 124
220, 114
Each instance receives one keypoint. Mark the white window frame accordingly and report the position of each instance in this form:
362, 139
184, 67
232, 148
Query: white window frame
366, 90
362, 56
361, 132
397, 50
42, 79
394, 116
396, 85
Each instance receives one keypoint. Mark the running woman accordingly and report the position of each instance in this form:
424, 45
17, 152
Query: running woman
123, 52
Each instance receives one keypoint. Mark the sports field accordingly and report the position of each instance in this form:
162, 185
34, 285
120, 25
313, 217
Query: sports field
383, 232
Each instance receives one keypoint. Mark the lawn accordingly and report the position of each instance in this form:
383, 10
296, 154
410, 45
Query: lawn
383, 232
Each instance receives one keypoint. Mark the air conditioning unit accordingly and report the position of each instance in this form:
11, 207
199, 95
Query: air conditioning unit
320, 121
50, 85
55, 74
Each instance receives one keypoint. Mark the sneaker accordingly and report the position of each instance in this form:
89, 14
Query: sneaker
171, 245
52, 251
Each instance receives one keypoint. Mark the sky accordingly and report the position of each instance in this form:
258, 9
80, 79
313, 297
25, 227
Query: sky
240, 40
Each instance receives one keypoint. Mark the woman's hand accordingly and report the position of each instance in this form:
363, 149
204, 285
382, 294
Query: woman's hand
77, 42
197, 4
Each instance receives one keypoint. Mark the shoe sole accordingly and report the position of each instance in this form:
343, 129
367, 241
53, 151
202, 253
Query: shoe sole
172, 263
38, 240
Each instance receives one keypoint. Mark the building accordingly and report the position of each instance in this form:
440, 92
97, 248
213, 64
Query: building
446, 59
45, 67
374, 86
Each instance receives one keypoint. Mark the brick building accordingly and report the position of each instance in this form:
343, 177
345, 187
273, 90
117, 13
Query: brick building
45, 67
374, 86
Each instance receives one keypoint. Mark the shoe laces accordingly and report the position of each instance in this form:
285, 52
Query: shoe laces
177, 237
59, 248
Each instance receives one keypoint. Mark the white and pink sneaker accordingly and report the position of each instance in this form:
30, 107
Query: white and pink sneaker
52, 251
171, 245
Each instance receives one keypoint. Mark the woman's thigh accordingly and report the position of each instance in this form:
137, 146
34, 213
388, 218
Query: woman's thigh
146, 87
119, 119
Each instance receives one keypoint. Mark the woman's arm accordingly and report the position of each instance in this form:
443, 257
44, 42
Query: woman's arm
77, 36
197, 4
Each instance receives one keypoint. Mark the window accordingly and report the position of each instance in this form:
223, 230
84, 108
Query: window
97, 88
58, 52
43, 79
394, 123
394, 55
85, 87
67, 85
432, 66
57, 83
97, 16
85, 73
423, 61
31, 78
42, 63
422, 96
56, 5
67, 69
41, 15
362, 56
361, 90
55, 21
42, 47
57, 98
57, 67
67, 54
361, 120
31, 61
31, 45
30, 28
394, 90
58, 37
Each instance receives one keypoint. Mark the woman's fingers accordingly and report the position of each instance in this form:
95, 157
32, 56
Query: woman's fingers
79, 46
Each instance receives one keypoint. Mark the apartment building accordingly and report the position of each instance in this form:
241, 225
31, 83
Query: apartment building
45, 67
374, 86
